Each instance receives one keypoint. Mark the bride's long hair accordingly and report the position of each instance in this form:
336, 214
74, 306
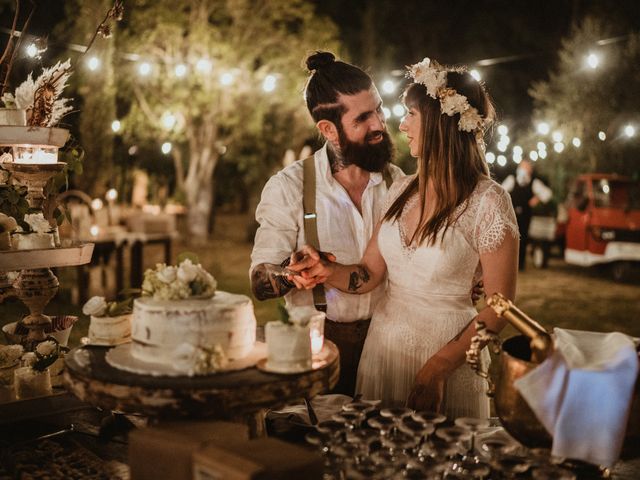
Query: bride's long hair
451, 158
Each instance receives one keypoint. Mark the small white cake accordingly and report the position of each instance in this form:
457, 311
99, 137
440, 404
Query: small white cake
163, 330
110, 330
32, 241
288, 347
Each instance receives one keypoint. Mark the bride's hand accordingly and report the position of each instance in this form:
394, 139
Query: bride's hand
428, 388
309, 262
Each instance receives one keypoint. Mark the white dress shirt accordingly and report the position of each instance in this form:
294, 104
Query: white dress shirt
342, 230
538, 187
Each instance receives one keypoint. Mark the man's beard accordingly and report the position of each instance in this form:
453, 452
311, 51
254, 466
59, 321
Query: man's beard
370, 157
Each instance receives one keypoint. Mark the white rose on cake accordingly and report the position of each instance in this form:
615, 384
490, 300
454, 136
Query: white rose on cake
10, 354
186, 280
37, 222
95, 306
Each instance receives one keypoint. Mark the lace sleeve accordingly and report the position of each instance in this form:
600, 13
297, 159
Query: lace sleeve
495, 219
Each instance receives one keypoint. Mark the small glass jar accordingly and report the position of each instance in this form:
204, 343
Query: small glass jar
33, 154
32, 383
7, 389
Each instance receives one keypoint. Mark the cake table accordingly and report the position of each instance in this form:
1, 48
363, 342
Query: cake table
239, 395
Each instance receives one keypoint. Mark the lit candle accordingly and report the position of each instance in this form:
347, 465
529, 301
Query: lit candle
317, 340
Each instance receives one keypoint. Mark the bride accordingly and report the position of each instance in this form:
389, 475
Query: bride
444, 228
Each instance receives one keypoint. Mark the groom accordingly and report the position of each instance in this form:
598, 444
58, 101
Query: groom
347, 179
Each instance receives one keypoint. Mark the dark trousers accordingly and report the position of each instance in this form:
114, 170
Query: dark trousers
524, 220
349, 338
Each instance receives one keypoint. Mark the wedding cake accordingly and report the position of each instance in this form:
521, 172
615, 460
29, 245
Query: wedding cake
180, 332
183, 322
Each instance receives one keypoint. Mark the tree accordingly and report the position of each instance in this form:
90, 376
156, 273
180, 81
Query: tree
213, 65
580, 102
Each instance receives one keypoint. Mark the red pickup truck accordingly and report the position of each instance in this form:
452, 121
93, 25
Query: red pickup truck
601, 225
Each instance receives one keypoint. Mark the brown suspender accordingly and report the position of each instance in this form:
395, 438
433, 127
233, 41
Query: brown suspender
310, 218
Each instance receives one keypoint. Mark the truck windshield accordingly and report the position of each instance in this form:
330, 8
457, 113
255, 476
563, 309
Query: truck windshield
617, 194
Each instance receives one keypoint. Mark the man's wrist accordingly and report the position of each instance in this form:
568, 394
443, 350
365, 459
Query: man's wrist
283, 279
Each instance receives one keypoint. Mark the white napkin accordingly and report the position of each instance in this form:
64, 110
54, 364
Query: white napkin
582, 393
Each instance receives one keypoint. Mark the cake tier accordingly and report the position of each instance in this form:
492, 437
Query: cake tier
110, 330
161, 326
288, 346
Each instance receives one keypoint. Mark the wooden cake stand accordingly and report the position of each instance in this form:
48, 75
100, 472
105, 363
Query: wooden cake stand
240, 395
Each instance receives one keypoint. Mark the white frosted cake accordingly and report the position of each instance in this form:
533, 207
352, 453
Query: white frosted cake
174, 332
110, 330
288, 347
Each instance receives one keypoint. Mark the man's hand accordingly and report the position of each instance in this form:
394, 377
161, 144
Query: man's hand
428, 388
310, 264
534, 201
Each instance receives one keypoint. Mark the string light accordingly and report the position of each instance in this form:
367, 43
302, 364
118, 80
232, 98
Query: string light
576, 142
115, 126
543, 128
558, 147
111, 195
226, 78
517, 150
593, 61
96, 204
144, 69
502, 160
542, 154
204, 65
32, 50
180, 70
541, 146
476, 74
166, 148
269, 83
387, 112
629, 131
502, 147
388, 86
557, 136
517, 159
503, 130
93, 63
398, 110
533, 155
602, 136
168, 120
490, 156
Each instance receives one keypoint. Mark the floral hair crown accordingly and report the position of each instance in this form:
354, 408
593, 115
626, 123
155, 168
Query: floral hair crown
433, 76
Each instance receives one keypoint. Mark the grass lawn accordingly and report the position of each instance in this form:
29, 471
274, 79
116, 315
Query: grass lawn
562, 295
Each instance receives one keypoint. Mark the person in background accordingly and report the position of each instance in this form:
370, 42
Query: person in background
527, 191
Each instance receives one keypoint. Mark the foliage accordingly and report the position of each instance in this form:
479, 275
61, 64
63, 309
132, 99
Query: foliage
73, 156
245, 39
580, 102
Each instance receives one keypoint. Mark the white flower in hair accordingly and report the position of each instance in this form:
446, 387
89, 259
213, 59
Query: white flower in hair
470, 120
430, 76
452, 102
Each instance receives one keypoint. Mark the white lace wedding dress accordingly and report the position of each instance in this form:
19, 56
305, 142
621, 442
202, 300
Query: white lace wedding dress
428, 300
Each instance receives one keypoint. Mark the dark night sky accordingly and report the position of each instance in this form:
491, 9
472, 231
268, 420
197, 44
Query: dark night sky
383, 35
386, 35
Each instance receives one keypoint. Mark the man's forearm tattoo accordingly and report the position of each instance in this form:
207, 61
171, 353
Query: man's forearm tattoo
265, 283
358, 278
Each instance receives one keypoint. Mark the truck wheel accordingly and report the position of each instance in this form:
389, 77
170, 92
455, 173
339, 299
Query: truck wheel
621, 271
540, 256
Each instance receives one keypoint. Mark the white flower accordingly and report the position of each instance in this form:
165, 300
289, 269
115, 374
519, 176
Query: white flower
470, 120
430, 76
301, 315
199, 360
37, 222
6, 158
7, 223
10, 354
95, 306
452, 103
187, 271
167, 274
46, 348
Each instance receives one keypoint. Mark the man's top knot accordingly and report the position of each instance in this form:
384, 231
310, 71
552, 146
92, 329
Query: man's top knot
319, 60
